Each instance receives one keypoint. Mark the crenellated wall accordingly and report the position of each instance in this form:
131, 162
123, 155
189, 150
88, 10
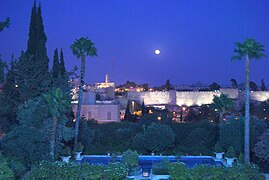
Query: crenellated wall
189, 98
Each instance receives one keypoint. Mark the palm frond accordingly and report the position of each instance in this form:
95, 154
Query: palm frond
249, 47
83, 46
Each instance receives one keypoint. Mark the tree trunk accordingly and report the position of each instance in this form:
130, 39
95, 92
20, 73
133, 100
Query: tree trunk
247, 118
80, 98
53, 137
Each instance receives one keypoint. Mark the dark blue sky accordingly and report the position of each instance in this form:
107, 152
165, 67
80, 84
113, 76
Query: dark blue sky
196, 37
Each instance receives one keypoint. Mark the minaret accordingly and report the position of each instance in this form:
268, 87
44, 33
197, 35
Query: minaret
106, 79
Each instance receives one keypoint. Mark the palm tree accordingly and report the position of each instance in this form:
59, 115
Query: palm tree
58, 104
250, 49
81, 48
222, 104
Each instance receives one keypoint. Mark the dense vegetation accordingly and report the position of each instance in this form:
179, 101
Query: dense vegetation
50, 170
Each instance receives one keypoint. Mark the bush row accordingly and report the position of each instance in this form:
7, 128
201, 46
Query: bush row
58, 170
179, 171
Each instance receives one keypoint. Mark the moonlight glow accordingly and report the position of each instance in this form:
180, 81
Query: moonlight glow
157, 51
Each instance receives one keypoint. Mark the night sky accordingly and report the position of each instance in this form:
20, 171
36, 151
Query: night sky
196, 37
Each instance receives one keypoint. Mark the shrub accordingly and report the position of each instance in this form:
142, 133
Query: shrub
115, 171
43, 170
5, 171
67, 170
241, 158
249, 171
232, 134
243, 172
207, 172
201, 172
91, 171
17, 166
179, 171
261, 148
218, 147
59, 170
130, 159
230, 152
216, 173
79, 147
161, 168
65, 152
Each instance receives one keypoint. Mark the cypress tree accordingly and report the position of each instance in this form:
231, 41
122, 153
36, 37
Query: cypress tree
128, 115
31, 44
33, 67
60, 76
41, 56
56, 65
62, 64
263, 87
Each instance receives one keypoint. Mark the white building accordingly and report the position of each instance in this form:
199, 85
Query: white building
103, 109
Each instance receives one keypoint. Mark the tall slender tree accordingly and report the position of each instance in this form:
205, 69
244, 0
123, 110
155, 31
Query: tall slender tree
32, 42
128, 115
249, 49
56, 65
81, 48
33, 66
263, 87
62, 65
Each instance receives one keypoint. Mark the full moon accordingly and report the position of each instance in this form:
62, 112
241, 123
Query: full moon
157, 51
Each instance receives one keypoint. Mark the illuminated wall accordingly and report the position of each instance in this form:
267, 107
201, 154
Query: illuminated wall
199, 98
259, 95
195, 98
157, 97
187, 98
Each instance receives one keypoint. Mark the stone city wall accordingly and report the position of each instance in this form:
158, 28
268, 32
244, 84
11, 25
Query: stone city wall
190, 98
259, 95
157, 97
180, 98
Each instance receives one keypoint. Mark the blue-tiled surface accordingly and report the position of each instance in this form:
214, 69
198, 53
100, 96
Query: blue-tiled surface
146, 161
